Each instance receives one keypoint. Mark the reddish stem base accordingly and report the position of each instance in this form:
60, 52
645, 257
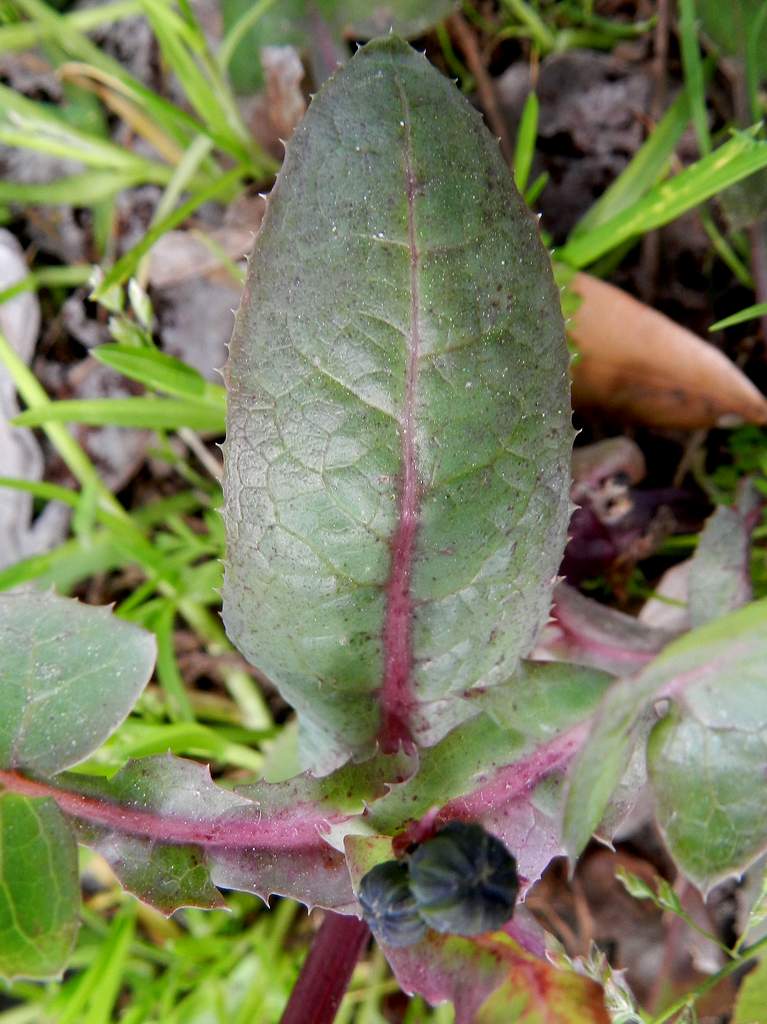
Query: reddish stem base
327, 971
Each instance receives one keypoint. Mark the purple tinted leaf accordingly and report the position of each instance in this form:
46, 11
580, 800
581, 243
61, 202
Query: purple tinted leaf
399, 424
589, 633
172, 835
720, 578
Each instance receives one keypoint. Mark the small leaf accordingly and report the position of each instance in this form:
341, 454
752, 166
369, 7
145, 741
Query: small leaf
709, 790
638, 363
69, 675
705, 758
635, 886
398, 425
589, 633
39, 888
719, 580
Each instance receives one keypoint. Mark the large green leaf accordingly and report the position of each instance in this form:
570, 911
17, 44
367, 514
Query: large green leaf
39, 890
399, 425
69, 674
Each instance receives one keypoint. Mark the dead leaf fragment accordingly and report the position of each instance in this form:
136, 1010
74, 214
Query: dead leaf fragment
20, 455
284, 73
637, 362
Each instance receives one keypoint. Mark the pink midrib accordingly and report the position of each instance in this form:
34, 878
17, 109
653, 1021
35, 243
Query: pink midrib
294, 830
396, 697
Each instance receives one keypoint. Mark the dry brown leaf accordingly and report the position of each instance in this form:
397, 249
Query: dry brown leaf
637, 362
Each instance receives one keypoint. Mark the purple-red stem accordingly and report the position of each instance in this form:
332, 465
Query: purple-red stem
396, 696
327, 971
296, 829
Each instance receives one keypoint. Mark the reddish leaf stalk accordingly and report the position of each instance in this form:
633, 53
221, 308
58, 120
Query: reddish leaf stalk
327, 971
286, 832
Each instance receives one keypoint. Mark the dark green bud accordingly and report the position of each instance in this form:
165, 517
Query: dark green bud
464, 880
388, 905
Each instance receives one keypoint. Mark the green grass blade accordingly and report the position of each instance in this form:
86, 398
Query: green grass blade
174, 121
147, 413
79, 190
68, 35
161, 372
749, 313
735, 160
48, 277
127, 264
648, 164
35, 398
209, 102
101, 980
168, 674
693, 73
27, 34
524, 150
33, 126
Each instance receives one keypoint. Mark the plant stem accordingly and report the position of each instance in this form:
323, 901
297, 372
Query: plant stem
326, 971
691, 997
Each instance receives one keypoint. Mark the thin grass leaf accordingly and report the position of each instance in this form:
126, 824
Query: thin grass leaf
737, 159
693, 73
207, 98
161, 372
239, 30
79, 190
108, 963
89, 79
26, 34
48, 277
176, 122
170, 678
648, 164
183, 738
24, 123
526, 136
148, 413
749, 313
127, 264
34, 396
68, 35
